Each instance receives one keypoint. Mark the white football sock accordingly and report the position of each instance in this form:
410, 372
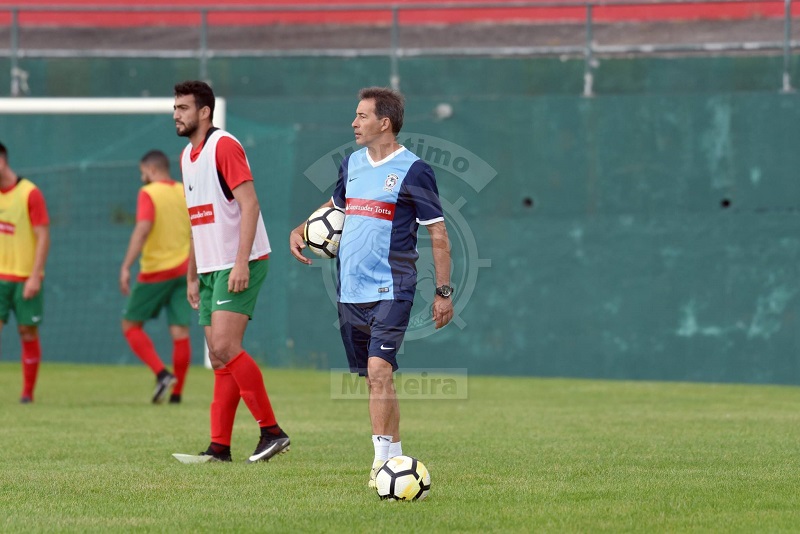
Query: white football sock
381, 444
395, 449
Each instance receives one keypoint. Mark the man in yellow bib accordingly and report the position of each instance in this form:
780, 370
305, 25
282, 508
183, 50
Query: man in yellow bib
24, 244
161, 236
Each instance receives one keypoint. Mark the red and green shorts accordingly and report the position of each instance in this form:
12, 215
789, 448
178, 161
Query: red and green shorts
214, 293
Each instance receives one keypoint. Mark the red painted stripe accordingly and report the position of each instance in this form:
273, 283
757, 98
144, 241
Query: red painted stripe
201, 214
407, 16
370, 208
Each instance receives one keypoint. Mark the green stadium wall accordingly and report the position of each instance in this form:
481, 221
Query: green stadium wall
649, 232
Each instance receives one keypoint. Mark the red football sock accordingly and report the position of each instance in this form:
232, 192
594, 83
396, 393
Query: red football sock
181, 356
142, 346
223, 407
251, 388
31, 356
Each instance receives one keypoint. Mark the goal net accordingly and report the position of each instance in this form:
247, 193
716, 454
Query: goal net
83, 153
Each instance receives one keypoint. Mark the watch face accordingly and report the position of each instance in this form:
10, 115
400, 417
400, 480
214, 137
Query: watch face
444, 291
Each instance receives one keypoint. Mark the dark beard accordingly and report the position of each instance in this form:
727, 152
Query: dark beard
187, 132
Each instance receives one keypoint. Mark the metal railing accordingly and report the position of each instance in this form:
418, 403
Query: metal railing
589, 49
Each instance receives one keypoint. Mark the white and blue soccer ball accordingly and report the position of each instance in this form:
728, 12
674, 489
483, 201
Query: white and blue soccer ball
403, 478
323, 230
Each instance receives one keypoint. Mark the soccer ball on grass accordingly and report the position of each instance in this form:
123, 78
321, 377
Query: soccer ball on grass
322, 231
403, 478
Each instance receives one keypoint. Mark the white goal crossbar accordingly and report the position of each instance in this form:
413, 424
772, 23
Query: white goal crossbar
100, 106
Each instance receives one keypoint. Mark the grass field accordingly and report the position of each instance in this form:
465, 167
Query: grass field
518, 455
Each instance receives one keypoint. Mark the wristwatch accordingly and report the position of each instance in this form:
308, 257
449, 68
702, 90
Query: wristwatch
444, 291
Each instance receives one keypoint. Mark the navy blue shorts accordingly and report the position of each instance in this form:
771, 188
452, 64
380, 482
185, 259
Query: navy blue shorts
373, 329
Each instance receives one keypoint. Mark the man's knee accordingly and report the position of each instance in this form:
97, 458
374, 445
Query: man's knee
178, 332
127, 325
28, 333
224, 349
379, 375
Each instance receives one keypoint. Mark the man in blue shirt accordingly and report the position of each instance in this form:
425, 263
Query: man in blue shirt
386, 192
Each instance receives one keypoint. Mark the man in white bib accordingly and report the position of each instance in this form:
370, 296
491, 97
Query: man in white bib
227, 265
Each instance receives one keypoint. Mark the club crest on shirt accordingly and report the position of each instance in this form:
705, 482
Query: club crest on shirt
390, 182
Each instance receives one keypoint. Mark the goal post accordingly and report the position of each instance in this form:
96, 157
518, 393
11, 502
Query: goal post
103, 106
